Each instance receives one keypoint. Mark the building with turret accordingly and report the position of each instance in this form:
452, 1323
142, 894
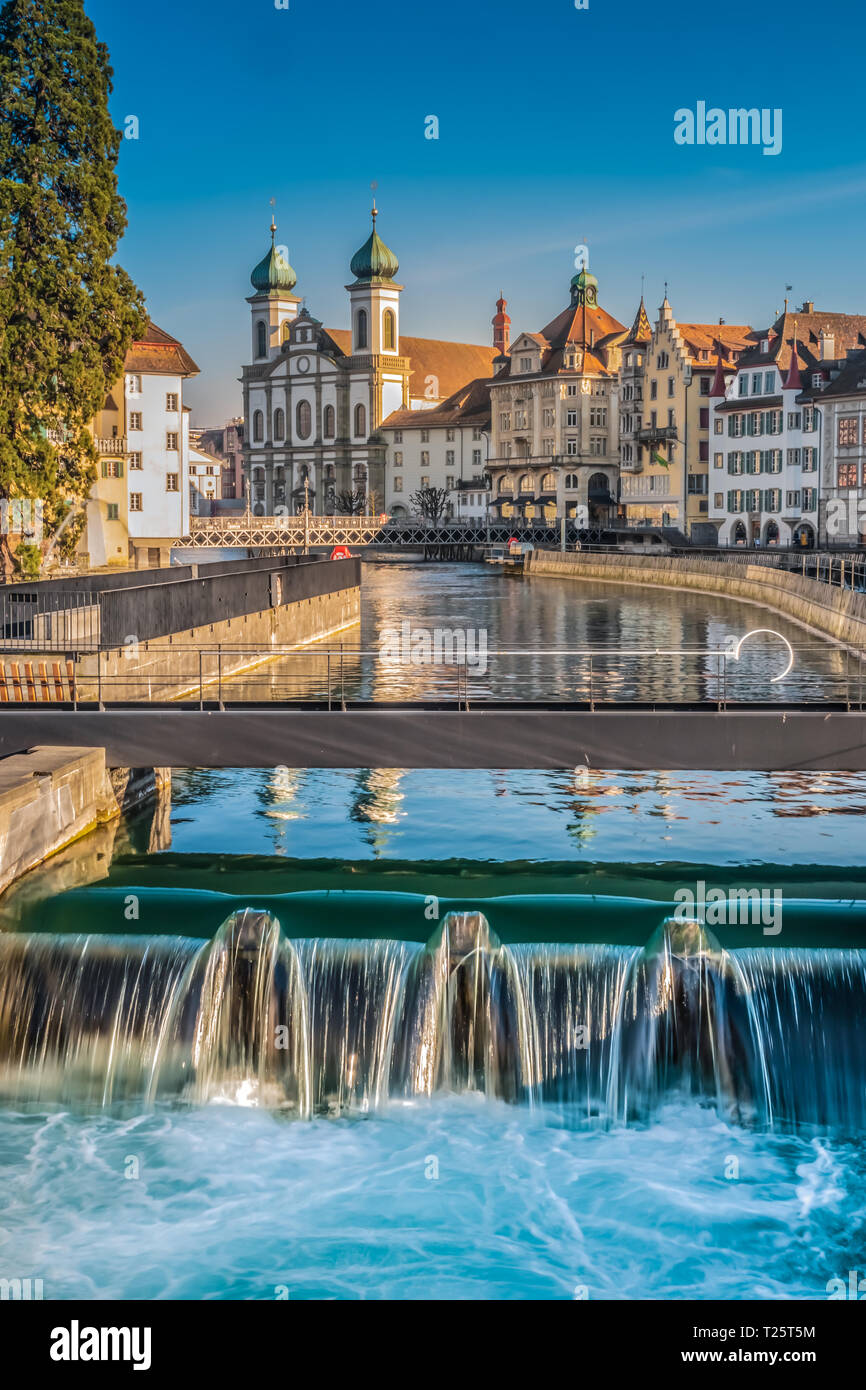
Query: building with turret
555, 416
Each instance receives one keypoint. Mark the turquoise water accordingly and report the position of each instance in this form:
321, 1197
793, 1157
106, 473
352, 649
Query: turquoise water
540, 816
231, 1202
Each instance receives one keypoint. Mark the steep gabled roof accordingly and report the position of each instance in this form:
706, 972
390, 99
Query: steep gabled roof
641, 330
158, 354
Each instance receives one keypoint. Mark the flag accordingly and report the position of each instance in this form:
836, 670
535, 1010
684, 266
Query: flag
657, 458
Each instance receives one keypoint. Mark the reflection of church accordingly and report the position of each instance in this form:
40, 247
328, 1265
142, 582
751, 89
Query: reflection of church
376, 803
315, 398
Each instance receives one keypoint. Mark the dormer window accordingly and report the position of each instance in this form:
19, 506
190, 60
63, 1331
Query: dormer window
526, 364
765, 345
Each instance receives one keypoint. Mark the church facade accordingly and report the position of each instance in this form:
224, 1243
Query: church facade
315, 398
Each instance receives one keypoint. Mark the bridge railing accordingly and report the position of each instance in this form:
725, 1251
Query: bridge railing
459, 670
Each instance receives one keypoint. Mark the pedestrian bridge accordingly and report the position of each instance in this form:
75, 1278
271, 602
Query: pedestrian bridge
756, 703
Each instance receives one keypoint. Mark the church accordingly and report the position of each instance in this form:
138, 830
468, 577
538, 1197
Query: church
315, 398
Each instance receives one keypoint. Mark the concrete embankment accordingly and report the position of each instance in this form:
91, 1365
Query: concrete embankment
835, 613
169, 634
50, 796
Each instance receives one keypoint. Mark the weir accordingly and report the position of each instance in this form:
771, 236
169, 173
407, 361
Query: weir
323, 1026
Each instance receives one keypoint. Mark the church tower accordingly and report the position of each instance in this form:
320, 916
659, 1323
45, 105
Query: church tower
501, 334
375, 298
273, 306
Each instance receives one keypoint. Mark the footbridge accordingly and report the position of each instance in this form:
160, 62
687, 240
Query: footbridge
757, 703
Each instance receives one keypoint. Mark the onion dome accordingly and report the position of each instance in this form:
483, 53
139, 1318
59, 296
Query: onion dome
374, 263
584, 288
273, 275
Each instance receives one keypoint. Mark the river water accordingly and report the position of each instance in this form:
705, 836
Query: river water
548, 638
457, 1194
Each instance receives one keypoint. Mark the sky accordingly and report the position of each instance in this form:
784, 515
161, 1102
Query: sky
556, 128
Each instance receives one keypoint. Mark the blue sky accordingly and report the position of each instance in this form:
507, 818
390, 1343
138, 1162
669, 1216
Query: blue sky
555, 126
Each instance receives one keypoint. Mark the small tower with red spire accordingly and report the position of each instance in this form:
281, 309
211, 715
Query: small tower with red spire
793, 381
719, 385
501, 332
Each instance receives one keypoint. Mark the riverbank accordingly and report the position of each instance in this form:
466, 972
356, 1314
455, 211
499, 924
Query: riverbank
837, 614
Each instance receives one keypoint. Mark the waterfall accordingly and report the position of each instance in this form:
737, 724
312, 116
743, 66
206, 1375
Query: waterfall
307, 1027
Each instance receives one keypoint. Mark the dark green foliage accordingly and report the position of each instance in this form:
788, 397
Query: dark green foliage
67, 316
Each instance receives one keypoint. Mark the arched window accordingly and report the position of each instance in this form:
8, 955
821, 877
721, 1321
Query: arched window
258, 427
262, 339
279, 424
361, 329
526, 483
389, 331
506, 483
286, 330
571, 480
548, 483
329, 422
304, 420
360, 421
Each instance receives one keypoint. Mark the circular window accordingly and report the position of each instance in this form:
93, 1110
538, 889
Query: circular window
303, 364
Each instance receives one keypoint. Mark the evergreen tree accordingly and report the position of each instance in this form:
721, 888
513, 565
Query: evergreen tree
67, 316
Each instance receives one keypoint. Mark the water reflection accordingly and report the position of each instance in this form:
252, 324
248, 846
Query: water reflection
498, 815
537, 632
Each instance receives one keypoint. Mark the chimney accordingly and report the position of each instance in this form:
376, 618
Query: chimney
808, 306
828, 344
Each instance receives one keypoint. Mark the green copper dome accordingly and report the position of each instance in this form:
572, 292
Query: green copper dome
374, 261
584, 288
273, 274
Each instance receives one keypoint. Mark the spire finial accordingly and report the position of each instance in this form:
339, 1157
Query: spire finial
273, 222
374, 185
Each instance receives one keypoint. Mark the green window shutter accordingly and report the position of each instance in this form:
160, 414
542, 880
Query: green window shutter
120, 468
105, 468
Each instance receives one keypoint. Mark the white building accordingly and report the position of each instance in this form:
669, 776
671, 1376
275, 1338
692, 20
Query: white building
139, 504
205, 480
765, 473
444, 448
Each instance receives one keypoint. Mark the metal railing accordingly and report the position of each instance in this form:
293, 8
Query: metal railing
57, 621
766, 671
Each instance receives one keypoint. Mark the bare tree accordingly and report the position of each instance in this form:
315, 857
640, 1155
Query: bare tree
351, 503
430, 502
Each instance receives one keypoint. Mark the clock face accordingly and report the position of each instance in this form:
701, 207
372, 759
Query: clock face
303, 364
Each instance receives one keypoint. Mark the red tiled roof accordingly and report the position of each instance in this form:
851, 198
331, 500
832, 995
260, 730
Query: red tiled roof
452, 364
158, 354
468, 406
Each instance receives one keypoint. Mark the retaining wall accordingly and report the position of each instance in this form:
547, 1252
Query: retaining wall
836, 613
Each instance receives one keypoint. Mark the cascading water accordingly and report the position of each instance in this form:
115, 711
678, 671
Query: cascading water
327, 1026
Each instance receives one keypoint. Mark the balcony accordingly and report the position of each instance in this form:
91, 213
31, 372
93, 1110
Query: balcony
657, 434
115, 447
